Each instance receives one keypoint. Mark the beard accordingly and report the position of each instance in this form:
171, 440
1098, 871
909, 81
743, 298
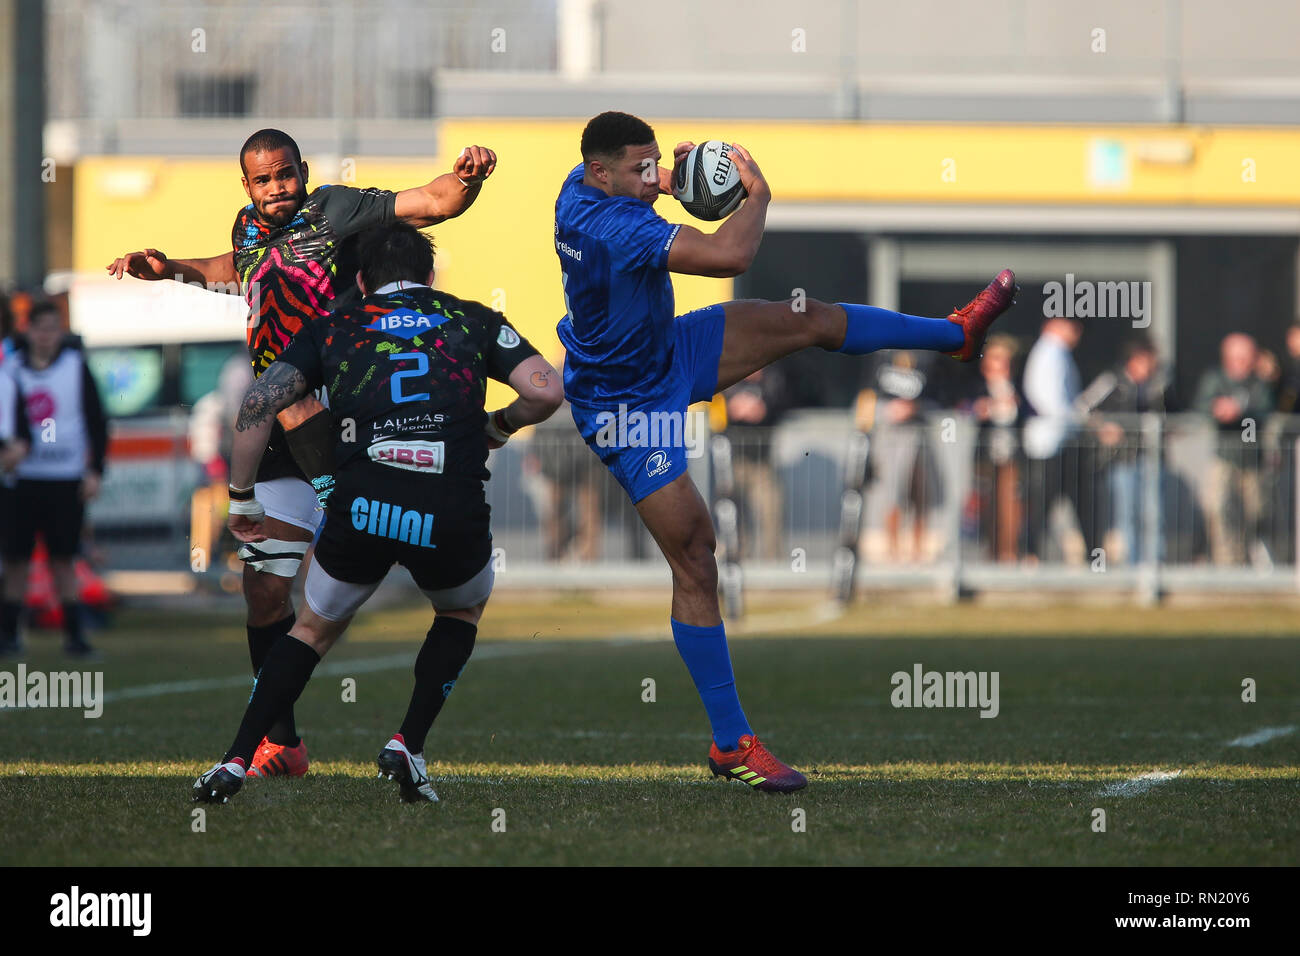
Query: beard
284, 214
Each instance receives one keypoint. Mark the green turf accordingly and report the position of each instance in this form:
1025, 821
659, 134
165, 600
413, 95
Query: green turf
555, 734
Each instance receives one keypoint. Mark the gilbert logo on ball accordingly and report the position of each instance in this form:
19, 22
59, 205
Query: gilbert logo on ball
707, 183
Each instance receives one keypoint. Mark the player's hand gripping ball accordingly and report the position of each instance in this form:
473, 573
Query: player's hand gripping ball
707, 184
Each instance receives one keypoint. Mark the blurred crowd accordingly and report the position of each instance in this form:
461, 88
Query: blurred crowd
1064, 469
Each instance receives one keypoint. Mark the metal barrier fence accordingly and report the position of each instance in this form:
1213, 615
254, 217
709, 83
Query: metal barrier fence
1147, 504
374, 58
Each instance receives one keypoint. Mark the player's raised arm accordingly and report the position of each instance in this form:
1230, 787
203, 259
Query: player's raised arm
215, 272
274, 390
731, 250
451, 193
540, 392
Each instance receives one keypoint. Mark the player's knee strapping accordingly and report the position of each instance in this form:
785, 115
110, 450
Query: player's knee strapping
273, 556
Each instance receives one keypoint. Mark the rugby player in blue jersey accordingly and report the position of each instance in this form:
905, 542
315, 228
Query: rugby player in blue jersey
630, 359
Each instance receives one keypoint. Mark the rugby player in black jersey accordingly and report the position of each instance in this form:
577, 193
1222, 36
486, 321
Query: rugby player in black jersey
294, 258
408, 366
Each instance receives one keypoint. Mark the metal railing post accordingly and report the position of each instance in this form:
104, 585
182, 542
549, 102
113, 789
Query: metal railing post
1150, 454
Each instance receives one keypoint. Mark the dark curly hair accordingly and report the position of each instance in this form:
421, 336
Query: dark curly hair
608, 134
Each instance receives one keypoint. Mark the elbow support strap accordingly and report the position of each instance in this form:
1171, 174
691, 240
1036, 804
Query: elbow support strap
310, 433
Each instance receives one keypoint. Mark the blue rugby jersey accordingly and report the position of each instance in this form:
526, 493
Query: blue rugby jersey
618, 332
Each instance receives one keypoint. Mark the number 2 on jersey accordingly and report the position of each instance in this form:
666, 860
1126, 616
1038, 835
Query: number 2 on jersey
421, 369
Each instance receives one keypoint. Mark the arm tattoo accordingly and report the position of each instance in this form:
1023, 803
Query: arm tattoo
540, 379
278, 387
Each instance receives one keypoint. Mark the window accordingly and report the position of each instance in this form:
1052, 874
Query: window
207, 94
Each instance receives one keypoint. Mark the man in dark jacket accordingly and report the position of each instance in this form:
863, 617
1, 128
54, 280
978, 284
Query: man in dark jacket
1237, 402
1135, 388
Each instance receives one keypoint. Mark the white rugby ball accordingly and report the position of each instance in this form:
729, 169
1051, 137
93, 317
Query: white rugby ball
707, 184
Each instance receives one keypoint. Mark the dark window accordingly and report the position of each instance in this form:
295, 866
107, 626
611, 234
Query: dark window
207, 94
412, 95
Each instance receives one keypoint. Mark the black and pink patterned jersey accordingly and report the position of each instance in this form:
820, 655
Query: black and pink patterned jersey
407, 373
297, 272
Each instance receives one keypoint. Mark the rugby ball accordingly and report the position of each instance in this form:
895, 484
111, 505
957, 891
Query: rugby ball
707, 184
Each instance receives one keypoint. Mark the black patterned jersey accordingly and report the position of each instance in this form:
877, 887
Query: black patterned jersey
297, 272
406, 371
294, 273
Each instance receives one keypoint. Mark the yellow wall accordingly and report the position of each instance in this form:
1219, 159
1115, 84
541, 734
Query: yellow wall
501, 252
825, 162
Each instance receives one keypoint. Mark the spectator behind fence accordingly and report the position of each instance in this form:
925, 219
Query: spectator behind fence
1238, 403
902, 390
1055, 464
754, 405
60, 473
1288, 394
14, 435
1282, 521
564, 484
997, 406
1135, 388
211, 434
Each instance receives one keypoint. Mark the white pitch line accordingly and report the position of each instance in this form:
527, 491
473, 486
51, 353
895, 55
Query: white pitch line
1261, 736
362, 665
1135, 786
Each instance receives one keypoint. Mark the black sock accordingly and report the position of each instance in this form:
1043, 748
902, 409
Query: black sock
446, 649
284, 674
10, 611
284, 730
260, 639
73, 629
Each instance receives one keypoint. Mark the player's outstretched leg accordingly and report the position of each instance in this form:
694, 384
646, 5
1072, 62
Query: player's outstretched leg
284, 674
679, 521
446, 650
757, 332
282, 752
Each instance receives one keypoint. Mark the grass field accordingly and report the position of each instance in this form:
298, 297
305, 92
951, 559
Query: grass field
548, 725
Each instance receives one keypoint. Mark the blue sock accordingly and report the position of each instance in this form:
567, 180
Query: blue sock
870, 328
704, 652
